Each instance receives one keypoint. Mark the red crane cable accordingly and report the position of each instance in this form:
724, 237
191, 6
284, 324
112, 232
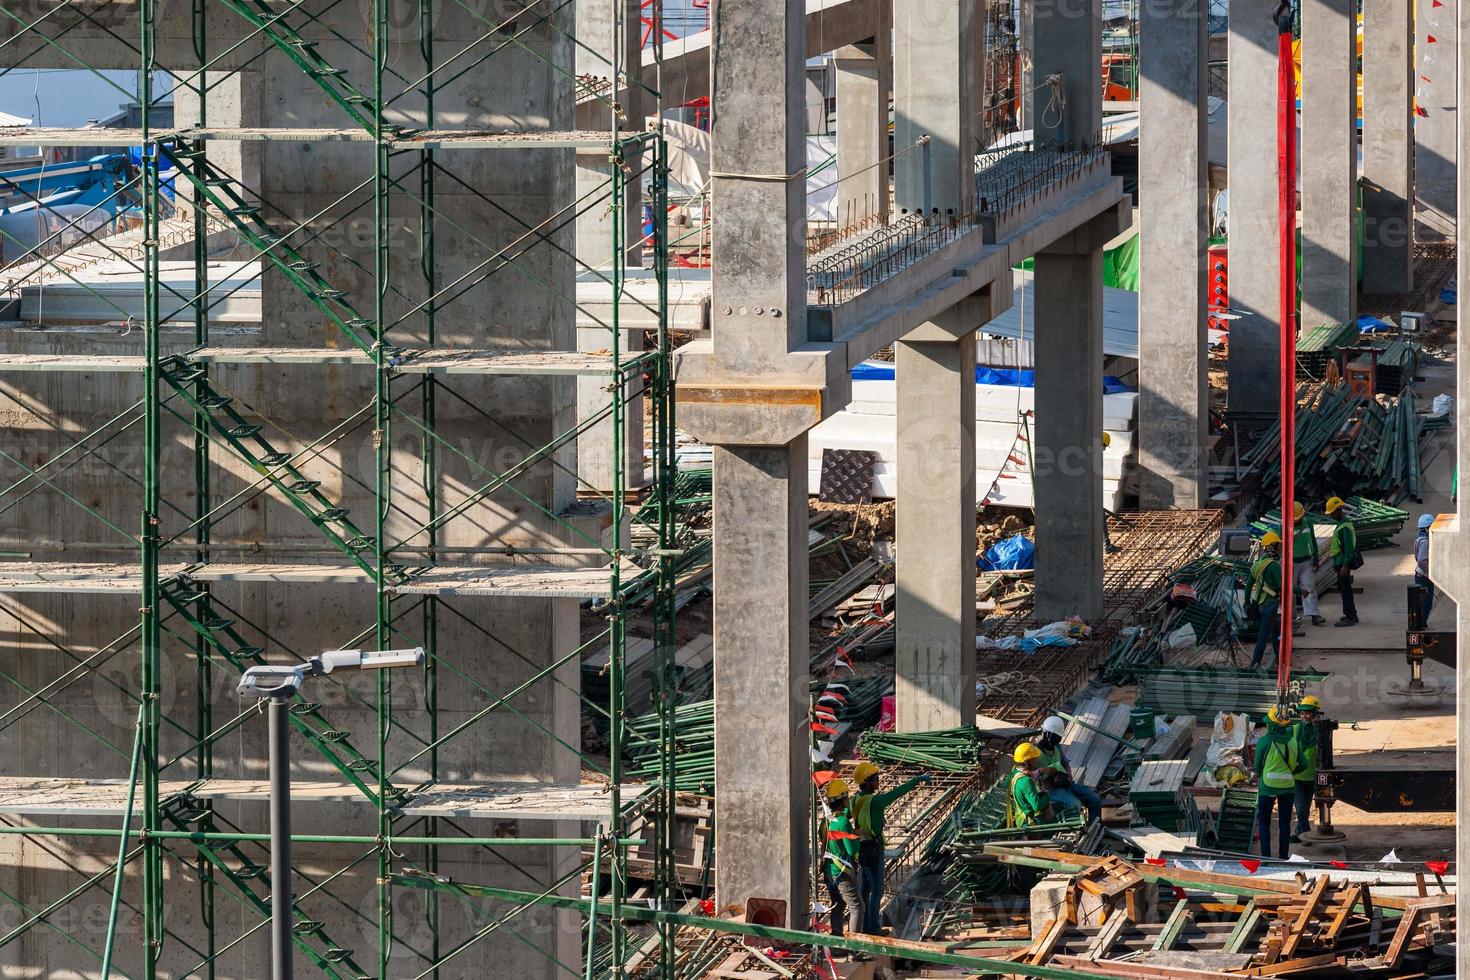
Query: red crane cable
1286, 142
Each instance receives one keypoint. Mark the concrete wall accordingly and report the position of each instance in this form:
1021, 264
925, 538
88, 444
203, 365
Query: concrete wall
494, 421
1435, 153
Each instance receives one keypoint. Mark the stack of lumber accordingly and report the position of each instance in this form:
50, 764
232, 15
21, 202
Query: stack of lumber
1093, 737
1108, 922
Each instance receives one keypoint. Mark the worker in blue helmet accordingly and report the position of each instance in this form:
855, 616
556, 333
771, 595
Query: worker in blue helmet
1421, 568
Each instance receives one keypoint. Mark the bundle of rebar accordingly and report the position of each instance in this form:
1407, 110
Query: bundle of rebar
693, 747
1204, 691
945, 750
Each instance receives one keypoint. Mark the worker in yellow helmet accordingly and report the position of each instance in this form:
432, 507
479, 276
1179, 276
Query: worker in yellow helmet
1304, 733
840, 864
1265, 595
1305, 562
1346, 558
1276, 765
1029, 803
869, 812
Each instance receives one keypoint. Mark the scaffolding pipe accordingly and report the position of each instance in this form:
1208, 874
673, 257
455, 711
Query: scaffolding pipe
122, 848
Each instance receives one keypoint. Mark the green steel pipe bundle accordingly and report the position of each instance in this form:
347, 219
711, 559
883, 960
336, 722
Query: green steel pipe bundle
1346, 445
945, 750
693, 747
1376, 523
1204, 691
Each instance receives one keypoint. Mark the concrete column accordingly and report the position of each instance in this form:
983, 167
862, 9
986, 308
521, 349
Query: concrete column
596, 53
1066, 37
864, 80
1069, 422
762, 659
1388, 147
1437, 105
1173, 410
934, 664
1254, 223
935, 94
1329, 181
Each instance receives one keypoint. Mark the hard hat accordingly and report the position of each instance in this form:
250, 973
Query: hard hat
1054, 725
1276, 717
1298, 511
1270, 538
1309, 703
1107, 439
864, 772
1335, 504
837, 789
1425, 521
1026, 752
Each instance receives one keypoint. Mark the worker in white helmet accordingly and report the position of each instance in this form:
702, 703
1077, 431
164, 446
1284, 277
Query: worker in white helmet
1056, 774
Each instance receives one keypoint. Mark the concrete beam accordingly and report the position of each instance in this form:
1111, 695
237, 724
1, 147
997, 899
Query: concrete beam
1066, 41
935, 95
864, 81
1173, 159
762, 658
1329, 188
934, 674
1255, 265
1388, 147
1437, 97
1069, 424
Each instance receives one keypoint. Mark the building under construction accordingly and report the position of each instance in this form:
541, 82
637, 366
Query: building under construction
700, 400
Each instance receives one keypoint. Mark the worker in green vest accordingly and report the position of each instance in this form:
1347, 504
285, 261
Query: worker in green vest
1304, 732
1276, 766
1029, 803
1265, 595
869, 814
1305, 561
1064, 791
840, 866
1345, 558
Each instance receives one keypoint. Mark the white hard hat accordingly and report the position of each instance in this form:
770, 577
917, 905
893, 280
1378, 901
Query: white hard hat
1054, 725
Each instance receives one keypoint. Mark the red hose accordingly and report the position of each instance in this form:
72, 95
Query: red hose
1286, 139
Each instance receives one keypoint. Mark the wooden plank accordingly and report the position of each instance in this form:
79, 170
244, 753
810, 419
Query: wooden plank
1047, 944
1349, 898
1245, 927
1143, 971
1303, 964
1173, 926
1107, 936
1299, 931
1403, 935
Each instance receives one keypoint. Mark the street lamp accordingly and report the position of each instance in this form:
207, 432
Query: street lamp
279, 683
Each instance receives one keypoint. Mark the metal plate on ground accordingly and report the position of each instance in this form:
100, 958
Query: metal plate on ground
847, 476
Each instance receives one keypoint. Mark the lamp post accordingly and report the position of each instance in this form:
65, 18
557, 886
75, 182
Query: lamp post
278, 684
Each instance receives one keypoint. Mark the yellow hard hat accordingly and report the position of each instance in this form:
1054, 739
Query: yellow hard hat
1107, 439
1298, 511
837, 789
1309, 703
864, 772
1026, 752
1335, 504
1276, 717
1270, 538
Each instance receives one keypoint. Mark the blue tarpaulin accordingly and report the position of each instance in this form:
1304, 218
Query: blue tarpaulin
1008, 554
1371, 324
1005, 377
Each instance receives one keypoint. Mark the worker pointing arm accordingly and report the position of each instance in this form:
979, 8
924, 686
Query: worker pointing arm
869, 810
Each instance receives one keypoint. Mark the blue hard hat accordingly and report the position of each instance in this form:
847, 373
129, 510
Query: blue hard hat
1425, 520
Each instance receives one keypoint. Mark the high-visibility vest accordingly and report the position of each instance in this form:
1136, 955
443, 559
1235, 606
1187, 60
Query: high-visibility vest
1015, 816
1344, 540
1052, 760
1259, 589
1279, 769
1306, 748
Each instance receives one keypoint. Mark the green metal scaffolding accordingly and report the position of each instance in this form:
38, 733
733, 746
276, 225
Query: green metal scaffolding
163, 826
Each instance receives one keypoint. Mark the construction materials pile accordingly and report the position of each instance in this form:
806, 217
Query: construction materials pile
1207, 690
1114, 918
1346, 445
1203, 606
1321, 351
1376, 524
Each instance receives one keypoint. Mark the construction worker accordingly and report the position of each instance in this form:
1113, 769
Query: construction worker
1029, 803
1345, 558
1305, 561
1265, 594
868, 811
1304, 731
840, 868
1421, 567
1065, 792
1276, 765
